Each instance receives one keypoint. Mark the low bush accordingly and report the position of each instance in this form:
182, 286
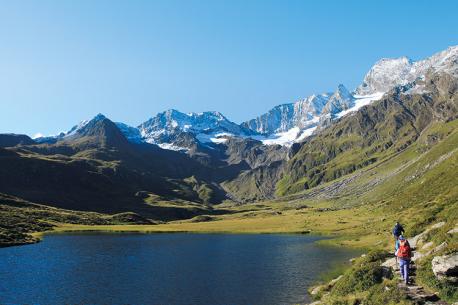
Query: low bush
386, 293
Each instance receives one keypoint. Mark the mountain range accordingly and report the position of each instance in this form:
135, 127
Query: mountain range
203, 159
287, 123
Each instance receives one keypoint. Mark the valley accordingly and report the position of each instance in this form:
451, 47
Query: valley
356, 163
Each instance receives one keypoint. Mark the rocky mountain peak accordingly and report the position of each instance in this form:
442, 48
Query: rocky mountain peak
388, 73
99, 127
172, 126
341, 100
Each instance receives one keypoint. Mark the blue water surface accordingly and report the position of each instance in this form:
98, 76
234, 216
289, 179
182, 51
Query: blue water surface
169, 269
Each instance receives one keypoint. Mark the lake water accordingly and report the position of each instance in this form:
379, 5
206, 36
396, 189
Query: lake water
167, 269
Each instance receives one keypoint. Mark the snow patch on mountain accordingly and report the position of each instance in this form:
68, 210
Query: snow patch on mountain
216, 138
37, 135
286, 138
305, 134
131, 133
171, 146
360, 101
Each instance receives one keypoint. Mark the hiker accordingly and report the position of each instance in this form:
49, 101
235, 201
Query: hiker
404, 253
398, 230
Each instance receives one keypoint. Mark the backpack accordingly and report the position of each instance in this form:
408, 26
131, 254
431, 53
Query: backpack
404, 249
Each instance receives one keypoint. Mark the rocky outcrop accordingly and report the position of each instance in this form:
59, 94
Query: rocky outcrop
414, 241
446, 267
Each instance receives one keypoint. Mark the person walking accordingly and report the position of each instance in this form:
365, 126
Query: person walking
398, 230
404, 254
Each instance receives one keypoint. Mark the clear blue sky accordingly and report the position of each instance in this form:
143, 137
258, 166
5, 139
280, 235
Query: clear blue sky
65, 61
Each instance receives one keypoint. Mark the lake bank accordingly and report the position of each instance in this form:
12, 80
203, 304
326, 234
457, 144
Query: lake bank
269, 219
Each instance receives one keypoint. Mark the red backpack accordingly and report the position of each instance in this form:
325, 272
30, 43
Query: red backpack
404, 249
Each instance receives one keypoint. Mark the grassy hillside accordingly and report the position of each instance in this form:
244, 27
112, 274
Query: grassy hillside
376, 132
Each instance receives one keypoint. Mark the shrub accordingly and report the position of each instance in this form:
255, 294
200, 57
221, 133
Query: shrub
359, 278
365, 273
386, 293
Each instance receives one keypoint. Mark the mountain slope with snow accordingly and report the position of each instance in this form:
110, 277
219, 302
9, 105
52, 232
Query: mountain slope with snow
172, 126
391, 72
287, 123
290, 123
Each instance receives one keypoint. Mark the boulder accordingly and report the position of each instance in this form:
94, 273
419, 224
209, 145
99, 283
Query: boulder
453, 231
446, 267
316, 290
414, 241
390, 263
427, 245
334, 281
438, 225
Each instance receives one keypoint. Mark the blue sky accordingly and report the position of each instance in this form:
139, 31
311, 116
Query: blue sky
65, 61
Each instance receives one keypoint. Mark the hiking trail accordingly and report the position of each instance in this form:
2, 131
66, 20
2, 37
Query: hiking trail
416, 293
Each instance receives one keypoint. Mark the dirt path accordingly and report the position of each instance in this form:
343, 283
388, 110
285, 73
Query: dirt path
416, 293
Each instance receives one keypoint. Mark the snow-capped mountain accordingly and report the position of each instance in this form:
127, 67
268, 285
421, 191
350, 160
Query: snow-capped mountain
390, 72
289, 123
286, 123
170, 127
302, 114
205, 122
341, 100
